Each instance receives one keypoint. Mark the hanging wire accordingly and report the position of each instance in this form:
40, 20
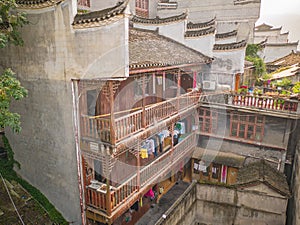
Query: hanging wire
12, 200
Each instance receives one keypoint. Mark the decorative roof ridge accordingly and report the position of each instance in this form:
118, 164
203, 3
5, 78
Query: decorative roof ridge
282, 44
197, 33
227, 34
36, 4
271, 29
158, 20
230, 46
244, 2
192, 26
98, 16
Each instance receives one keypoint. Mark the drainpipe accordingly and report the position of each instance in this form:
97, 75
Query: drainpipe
75, 95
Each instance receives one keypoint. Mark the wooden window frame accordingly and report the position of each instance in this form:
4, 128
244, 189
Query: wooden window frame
142, 8
209, 120
240, 125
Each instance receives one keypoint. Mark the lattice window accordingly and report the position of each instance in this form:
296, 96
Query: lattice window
250, 127
85, 3
208, 120
142, 8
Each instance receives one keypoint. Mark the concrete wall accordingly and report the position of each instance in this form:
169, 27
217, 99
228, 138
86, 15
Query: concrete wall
203, 44
221, 205
234, 58
53, 54
276, 133
183, 211
272, 52
174, 30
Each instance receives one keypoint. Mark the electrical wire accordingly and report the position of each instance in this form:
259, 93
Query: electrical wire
12, 200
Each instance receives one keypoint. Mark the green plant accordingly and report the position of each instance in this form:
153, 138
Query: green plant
296, 88
285, 83
6, 169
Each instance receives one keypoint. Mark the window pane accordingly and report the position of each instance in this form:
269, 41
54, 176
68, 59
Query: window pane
260, 119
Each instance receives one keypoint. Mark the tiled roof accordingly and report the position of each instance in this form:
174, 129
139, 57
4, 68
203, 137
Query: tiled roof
230, 46
224, 158
197, 33
95, 17
288, 60
262, 172
149, 49
37, 3
158, 20
226, 35
195, 26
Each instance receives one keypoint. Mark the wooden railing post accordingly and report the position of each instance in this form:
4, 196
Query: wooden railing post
112, 116
138, 177
108, 197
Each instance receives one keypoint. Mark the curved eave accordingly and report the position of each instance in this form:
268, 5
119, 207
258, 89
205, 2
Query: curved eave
199, 33
282, 44
226, 35
245, 2
230, 46
195, 26
37, 4
159, 20
151, 67
96, 18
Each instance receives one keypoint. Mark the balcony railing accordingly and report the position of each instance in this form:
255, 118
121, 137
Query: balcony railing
265, 102
259, 102
100, 127
96, 197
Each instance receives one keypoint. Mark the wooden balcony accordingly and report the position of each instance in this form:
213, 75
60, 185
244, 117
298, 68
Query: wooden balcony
132, 189
103, 128
267, 103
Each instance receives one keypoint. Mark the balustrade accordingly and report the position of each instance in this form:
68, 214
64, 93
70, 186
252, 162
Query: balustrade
96, 197
98, 127
265, 102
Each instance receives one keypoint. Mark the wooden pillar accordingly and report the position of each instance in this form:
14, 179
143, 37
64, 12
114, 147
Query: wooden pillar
194, 79
143, 103
112, 116
164, 85
178, 82
178, 88
138, 162
153, 84
237, 81
108, 196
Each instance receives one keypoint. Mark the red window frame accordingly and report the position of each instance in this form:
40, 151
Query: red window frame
208, 120
249, 127
142, 8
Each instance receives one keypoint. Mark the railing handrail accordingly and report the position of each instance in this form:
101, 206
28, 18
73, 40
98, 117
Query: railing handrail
139, 109
267, 97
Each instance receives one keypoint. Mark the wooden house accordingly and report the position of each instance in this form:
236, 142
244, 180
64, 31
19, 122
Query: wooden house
119, 116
